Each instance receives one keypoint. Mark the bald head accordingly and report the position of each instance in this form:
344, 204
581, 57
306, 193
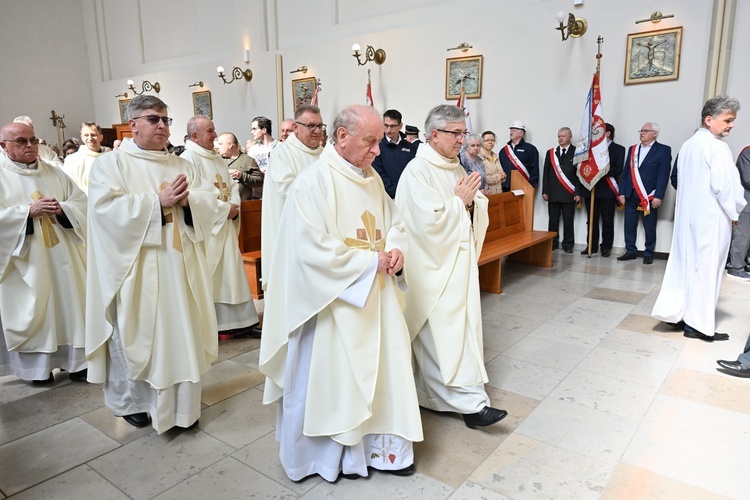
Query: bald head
357, 131
18, 141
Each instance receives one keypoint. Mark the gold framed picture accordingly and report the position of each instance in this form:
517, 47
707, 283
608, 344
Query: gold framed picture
123, 103
466, 70
302, 91
653, 56
202, 104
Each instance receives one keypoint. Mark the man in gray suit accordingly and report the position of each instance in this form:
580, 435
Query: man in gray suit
741, 230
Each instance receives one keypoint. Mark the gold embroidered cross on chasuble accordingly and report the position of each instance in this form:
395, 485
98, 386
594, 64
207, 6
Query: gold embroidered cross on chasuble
368, 238
49, 235
169, 218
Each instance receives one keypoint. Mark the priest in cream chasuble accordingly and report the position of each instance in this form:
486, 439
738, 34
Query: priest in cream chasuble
335, 347
78, 165
42, 262
446, 220
232, 299
150, 320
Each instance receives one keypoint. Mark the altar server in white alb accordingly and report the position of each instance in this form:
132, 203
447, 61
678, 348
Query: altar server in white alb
300, 149
150, 319
235, 310
78, 165
42, 263
446, 221
710, 199
335, 347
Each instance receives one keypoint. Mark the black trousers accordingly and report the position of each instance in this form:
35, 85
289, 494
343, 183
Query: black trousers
567, 210
604, 210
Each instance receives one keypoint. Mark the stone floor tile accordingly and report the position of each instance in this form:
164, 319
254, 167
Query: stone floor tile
626, 366
226, 379
81, 482
628, 482
240, 420
522, 377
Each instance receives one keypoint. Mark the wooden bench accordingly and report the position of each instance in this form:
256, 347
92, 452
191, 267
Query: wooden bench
249, 241
510, 233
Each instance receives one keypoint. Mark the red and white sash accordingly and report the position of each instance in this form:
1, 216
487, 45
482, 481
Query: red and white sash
612, 183
640, 190
569, 187
516, 162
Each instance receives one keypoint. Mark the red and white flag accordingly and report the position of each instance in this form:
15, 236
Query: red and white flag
314, 100
368, 92
463, 104
592, 154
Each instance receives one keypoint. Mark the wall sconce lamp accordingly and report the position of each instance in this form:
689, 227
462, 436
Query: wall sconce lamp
378, 56
124, 94
575, 27
655, 18
301, 69
462, 47
237, 73
146, 87
196, 84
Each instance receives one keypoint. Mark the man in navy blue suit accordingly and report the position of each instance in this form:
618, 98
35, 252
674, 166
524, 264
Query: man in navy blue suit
644, 181
606, 191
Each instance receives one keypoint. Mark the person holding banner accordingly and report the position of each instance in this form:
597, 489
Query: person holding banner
559, 189
519, 155
644, 181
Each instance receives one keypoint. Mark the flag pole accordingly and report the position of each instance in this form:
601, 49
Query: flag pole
599, 42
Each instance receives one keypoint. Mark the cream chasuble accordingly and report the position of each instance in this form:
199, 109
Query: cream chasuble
153, 276
360, 379
234, 303
709, 197
444, 245
42, 275
284, 165
78, 166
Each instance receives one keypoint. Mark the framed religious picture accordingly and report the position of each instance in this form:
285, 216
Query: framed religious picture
653, 56
123, 103
466, 71
202, 104
302, 91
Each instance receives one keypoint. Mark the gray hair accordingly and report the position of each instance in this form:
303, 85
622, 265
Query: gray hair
717, 105
144, 102
656, 128
350, 118
192, 124
441, 115
565, 129
306, 108
24, 119
473, 137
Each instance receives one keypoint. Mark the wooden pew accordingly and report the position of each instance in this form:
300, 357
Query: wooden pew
249, 241
510, 233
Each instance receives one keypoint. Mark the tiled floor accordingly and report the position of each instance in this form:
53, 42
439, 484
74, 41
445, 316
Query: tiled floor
604, 402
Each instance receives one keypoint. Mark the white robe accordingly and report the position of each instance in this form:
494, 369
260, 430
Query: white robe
42, 275
47, 154
232, 298
288, 159
150, 321
709, 197
359, 380
78, 166
443, 307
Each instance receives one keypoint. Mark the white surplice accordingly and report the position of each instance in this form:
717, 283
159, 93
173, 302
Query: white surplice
78, 166
232, 298
150, 320
709, 197
443, 308
42, 275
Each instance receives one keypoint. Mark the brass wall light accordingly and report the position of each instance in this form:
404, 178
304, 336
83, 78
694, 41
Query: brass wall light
301, 69
196, 84
655, 18
464, 47
124, 94
146, 87
237, 73
371, 54
574, 26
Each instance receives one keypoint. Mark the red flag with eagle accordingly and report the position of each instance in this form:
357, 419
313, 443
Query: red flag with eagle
368, 92
592, 154
318, 89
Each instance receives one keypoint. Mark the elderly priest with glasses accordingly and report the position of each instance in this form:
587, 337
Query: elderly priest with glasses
42, 263
150, 318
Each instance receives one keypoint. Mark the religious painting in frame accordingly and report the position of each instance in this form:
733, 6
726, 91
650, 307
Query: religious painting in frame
653, 56
202, 104
463, 69
302, 91
123, 103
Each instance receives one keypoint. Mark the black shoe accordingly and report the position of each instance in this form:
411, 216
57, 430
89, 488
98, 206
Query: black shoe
568, 250
406, 471
627, 256
648, 259
80, 375
252, 332
585, 251
486, 416
680, 325
351, 477
735, 368
606, 253
138, 419
692, 333
47, 381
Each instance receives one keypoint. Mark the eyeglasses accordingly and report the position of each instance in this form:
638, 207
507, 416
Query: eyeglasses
645, 131
22, 141
312, 127
458, 134
154, 119
388, 126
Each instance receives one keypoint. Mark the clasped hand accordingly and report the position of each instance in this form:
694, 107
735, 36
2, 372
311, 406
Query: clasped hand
174, 193
390, 262
44, 206
466, 187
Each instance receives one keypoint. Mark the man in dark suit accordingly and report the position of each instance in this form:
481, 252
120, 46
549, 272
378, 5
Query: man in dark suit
605, 198
644, 181
519, 155
560, 185
395, 152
